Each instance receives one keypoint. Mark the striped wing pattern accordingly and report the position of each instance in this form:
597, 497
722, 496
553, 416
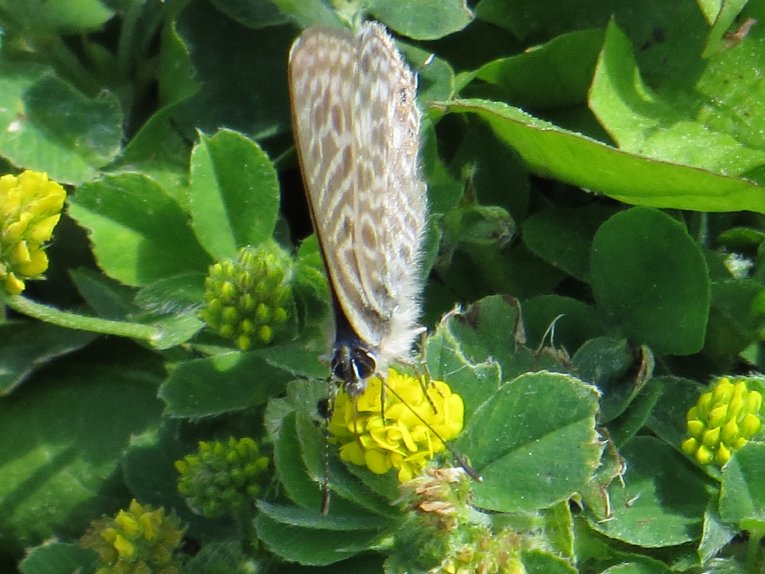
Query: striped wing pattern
357, 131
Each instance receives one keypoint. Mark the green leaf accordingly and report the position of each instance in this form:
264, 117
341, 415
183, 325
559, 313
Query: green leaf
240, 93
733, 321
158, 147
444, 192
547, 76
663, 500
545, 18
25, 347
351, 496
89, 129
668, 417
652, 125
234, 193
568, 156
311, 546
742, 493
293, 475
560, 322
637, 568
254, 15
69, 429
609, 364
541, 562
435, 76
562, 237
48, 126
109, 298
68, 16
650, 280
640, 408
457, 355
422, 19
295, 516
495, 172
543, 453
57, 558
139, 234
220, 557
559, 528
716, 535
309, 12
220, 384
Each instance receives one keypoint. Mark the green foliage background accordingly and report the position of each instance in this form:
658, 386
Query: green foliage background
594, 166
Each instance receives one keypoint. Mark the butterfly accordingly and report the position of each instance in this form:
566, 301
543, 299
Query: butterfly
357, 130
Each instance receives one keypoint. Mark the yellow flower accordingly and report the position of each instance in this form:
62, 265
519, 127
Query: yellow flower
722, 421
30, 207
139, 539
394, 435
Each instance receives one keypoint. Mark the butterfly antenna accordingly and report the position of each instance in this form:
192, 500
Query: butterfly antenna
326, 492
426, 381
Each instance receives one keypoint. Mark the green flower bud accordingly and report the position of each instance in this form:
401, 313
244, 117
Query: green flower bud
722, 421
30, 207
140, 539
221, 477
247, 300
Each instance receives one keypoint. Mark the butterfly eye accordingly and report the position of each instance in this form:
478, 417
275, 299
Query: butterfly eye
353, 365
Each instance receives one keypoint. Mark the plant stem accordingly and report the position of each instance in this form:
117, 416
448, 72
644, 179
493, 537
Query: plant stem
753, 554
81, 322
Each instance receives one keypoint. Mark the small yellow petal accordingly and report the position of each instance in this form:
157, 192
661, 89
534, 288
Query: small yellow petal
20, 254
14, 285
729, 432
127, 522
704, 455
723, 391
124, 547
718, 416
754, 402
690, 446
352, 453
723, 455
696, 428
377, 461
41, 231
711, 437
750, 425
37, 264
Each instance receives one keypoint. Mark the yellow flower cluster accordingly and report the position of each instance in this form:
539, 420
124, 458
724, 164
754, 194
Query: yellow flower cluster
394, 435
30, 207
136, 541
722, 421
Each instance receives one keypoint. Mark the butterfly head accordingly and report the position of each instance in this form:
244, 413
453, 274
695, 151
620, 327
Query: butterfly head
353, 365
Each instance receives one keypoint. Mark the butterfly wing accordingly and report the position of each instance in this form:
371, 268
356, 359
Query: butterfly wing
357, 130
